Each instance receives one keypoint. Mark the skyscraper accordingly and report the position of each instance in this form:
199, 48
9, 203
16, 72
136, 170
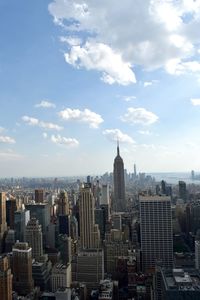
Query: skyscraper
88, 229
119, 183
3, 224
22, 268
182, 190
156, 231
5, 279
33, 236
63, 204
39, 195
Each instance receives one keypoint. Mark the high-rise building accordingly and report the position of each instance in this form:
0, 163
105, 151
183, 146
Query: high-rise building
40, 211
182, 190
90, 267
33, 236
21, 218
22, 268
105, 195
11, 207
156, 231
39, 196
3, 224
87, 219
61, 276
5, 279
197, 254
63, 204
119, 183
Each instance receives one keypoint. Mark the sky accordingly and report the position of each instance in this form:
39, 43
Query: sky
78, 75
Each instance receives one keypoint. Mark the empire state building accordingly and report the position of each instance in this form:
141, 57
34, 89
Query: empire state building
119, 184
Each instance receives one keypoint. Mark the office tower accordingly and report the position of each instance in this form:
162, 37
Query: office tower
197, 250
65, 247
192, 175
11, 207
40, 211
63, 204
33, 236
41, 273
88, 179
105, 195
197, 254
119, 183
64, 224
163, 187
182, 190
22, 268
90, 267
3, 224
61, 276
117, 221
135, 171
100, 219
87, 220
21, 218
5, 279
156, 231
39, 196
9, 240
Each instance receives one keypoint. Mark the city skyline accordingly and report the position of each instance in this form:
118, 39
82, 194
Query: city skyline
77, 76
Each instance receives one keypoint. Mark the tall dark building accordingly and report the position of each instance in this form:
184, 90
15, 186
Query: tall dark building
22, 268
156, 231
119, 183
39, 196
182, 190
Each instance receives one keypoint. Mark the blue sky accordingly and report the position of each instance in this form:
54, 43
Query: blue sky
75, 76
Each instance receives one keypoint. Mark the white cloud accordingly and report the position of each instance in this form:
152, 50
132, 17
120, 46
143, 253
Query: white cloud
45, 135
45, 104
140, 32
117, 135
100, 57
139, 116
9, 155
127, 98
195, 101
7, 140
30, 121
85, 116
145, 132
63, 141
72, 41
177, 67
148, 83
2, 129
46, 125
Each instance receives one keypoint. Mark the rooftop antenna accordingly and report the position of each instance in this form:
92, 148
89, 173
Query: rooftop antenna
117, 147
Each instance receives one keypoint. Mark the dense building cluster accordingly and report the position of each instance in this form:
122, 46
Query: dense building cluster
118, 236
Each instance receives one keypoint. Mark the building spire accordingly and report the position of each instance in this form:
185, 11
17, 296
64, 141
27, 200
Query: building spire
118, 148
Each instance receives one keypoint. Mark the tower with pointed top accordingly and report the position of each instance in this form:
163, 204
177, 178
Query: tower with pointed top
119, 183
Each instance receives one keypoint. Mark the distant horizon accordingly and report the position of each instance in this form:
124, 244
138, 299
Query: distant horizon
97, 175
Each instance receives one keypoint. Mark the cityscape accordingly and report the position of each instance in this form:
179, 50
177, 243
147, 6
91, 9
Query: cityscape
116, 236
99, 150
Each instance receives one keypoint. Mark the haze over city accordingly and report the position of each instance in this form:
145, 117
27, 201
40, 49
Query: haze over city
75, 76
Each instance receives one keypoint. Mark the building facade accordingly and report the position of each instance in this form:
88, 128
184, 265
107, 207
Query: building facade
156, 231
